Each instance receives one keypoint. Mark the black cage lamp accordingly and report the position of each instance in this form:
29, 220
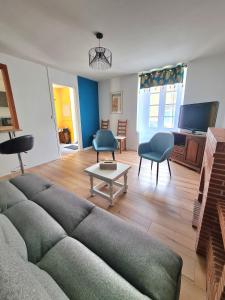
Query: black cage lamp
100, 58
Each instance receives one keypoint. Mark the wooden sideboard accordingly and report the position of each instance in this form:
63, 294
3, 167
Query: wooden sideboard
188, 150
209, 213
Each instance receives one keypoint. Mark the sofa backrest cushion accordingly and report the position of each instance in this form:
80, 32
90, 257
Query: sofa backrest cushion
10, 236
30, 184
9, 195
38, 229
64, 207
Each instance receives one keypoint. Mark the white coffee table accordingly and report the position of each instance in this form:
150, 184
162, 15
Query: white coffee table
108, 177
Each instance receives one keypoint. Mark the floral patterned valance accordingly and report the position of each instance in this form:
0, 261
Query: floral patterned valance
162, 77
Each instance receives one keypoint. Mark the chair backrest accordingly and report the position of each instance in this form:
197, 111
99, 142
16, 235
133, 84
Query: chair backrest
105, 138
104, 124
122, 128
161, 141
17, 145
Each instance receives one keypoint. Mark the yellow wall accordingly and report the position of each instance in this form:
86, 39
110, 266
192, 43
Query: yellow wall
63, 109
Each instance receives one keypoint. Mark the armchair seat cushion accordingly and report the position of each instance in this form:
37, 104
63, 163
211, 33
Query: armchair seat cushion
152, 156
105, 149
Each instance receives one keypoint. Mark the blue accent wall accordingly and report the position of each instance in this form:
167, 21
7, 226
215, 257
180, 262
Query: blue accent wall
89, 109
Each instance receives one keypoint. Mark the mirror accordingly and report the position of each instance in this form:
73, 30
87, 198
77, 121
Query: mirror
8, 117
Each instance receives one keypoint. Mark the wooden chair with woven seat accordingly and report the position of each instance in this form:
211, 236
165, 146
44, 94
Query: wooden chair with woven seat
105, 124
122, 134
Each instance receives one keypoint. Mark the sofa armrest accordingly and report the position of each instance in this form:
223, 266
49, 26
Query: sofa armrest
115, 144
144, 148
94, 144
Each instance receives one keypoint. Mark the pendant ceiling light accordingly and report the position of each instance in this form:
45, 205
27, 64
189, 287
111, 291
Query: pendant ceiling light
100, 58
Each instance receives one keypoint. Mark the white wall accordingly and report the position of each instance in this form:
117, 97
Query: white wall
31, 91
128, 86
206, 82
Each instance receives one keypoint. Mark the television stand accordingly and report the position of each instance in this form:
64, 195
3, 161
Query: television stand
188, 149
193, 131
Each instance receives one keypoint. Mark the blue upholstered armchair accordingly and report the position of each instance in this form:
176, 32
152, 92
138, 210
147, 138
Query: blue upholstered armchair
105, 142
157, 150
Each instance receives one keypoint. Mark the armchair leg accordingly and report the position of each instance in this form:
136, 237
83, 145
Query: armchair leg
113, 155
157, 174
151, 164
139, 166
168, 162
97, 156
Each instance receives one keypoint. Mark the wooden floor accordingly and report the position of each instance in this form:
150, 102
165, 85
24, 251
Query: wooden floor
164, 212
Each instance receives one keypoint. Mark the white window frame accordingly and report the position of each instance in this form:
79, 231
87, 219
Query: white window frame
162, 105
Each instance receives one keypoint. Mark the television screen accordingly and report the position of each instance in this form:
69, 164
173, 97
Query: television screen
198, 116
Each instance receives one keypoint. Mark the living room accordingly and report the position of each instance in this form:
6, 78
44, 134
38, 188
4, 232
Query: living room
150, 227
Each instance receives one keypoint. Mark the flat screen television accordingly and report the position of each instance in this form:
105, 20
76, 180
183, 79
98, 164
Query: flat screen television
198, 116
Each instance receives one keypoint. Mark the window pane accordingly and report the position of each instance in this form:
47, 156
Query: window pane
155, 89
169, 111
168, 122
170, 87
170, 98
153, 122
154, 99
154, 111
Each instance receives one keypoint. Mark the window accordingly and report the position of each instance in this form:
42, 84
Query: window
154, 107
158, 109
163, 106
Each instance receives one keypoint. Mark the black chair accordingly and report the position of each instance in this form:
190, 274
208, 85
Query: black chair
17, 146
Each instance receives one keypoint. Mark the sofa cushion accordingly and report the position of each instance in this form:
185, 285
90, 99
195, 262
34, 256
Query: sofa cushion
82, 275
38, 229
148, 265
47, 282
64, 207
10, 236
21, 281
9, 195
30, 184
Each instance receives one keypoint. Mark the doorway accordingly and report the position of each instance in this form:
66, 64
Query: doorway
66, 119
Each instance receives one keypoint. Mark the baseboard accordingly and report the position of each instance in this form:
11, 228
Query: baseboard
87, 148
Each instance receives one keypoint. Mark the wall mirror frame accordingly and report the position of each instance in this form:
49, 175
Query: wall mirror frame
9, 122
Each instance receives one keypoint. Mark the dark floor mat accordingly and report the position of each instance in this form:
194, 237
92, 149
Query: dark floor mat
72, 147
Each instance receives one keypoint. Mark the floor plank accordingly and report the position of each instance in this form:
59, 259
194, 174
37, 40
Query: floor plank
163, 211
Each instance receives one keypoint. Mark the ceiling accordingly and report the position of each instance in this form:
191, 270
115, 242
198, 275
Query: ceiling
141, 34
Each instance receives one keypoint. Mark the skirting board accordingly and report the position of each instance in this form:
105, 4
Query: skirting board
87, 148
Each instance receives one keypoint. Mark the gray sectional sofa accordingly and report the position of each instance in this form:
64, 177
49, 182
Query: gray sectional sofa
54, 245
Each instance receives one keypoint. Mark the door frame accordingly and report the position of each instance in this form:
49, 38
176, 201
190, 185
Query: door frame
76, 122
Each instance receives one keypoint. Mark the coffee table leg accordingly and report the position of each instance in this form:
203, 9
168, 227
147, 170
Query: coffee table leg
111, 193
91, 182
125, 182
